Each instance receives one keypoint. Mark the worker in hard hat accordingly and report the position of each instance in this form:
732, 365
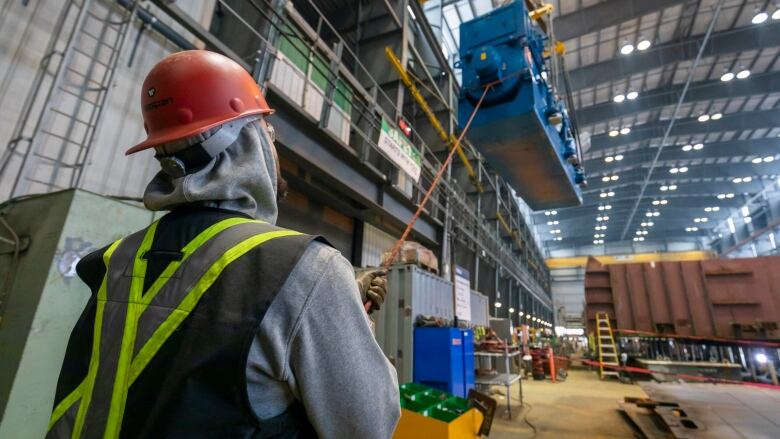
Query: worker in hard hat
212, 322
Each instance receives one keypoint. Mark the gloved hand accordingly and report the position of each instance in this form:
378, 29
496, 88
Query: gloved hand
372, 285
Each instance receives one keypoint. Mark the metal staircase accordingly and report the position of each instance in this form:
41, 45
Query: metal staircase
51, 141
605, 342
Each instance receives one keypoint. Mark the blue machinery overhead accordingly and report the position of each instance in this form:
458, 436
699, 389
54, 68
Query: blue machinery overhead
522, 127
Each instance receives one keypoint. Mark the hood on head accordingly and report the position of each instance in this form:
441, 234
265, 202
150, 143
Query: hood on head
241, 178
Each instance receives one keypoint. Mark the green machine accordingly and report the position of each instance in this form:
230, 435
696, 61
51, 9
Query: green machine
42, 237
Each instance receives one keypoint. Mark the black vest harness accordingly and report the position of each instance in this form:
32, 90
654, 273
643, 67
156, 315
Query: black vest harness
169, 360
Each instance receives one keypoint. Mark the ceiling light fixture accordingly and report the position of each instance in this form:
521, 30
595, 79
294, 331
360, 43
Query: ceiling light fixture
769, 158
759, 18
632, 95
776, 16
744, 73
704, 118
756, 160
645, 44
619, 98
613, 133
619, 157
616, 177
683, 169
605, 178
726, 77
625, 130
716, 116
672, 187
698, 146
687, 148
628, 47
609, 159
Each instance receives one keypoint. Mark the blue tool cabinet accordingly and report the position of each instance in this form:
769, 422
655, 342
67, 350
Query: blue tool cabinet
444, 359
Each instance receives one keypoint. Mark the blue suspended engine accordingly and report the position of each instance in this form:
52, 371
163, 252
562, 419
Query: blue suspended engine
522, 128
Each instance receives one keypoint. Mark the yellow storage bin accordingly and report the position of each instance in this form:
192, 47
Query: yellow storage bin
432, 414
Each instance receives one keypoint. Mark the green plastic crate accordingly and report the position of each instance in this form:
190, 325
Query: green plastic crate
432, 402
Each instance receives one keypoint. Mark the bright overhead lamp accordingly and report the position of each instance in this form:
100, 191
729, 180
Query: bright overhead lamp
664, 188
757, 160
684, 169
497, 304
645, 44
613, 133
511, 310
615, 177
747, 219
716, 116
737, 180
619, 98
726, 77
619, 157
747, 179
698, 146
687, 148
628, 48
776, 14
603, 195
632, 95
625, 130
744, 73
769, 158
729, 195
704, 118
605, 179
609, 159
674, 170
759, 18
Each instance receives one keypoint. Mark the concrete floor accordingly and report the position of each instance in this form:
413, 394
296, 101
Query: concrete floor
581, 407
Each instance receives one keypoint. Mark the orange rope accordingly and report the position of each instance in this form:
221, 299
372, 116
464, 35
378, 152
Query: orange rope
436, 179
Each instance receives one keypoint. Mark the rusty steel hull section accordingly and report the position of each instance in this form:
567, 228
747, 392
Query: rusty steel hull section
733, 298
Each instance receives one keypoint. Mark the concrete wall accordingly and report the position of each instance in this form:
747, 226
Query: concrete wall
26, 31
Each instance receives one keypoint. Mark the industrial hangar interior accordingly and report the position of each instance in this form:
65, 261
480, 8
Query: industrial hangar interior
389, 218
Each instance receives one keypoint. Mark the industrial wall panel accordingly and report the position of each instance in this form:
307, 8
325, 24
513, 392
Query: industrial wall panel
375, 242
736, 298
46, 298
480, 309
301, 90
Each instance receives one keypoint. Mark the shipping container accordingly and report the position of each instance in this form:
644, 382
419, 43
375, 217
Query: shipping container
734, 298
412, 292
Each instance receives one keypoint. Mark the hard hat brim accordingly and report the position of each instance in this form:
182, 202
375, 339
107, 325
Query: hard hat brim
189, 130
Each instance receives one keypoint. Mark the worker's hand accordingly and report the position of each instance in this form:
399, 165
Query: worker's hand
372, 285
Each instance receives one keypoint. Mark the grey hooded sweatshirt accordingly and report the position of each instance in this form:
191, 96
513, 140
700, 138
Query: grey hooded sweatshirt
314, 344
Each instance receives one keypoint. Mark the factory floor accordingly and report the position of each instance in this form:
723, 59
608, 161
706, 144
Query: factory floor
581, 407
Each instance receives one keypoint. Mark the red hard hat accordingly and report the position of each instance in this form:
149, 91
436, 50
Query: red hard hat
190, 92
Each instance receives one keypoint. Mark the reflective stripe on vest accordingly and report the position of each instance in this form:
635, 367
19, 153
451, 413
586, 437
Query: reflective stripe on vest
114, 366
